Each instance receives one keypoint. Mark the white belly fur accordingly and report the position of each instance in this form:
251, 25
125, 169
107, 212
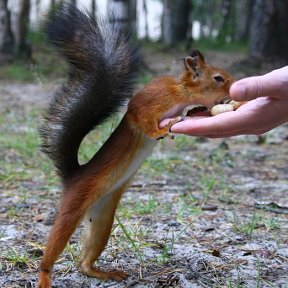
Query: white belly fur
148, 145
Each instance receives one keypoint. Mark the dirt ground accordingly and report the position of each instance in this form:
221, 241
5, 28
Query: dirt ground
200, 213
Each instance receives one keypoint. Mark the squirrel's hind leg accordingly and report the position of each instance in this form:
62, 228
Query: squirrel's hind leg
71, 211
44, 280
100, 220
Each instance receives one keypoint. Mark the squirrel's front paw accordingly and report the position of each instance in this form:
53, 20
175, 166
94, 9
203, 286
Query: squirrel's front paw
167, 129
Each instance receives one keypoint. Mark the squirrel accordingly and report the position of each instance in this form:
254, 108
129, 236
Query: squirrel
103, 65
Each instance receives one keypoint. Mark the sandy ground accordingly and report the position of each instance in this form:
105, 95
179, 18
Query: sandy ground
200, 213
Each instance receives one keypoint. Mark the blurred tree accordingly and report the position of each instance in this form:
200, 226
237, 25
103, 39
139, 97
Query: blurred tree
243, 19
118, 9
225, 25
223, 20
132, 15
93, 8
209, 17
175, 21
268, 34
37, 9
55, 3
123, 12
146, 19
23, 47
6, 35
212, 21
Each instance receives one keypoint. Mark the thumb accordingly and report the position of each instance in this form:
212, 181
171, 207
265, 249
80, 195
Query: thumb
254, 87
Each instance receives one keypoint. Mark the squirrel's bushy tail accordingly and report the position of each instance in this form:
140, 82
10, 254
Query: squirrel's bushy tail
103, 66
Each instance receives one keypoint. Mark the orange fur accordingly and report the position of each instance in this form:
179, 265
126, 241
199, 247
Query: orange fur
96, 189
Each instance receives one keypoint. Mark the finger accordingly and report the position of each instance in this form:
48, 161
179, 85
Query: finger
256, 132
253, 87
165, 122
226, 123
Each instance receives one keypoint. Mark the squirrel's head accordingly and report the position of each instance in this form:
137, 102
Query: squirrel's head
209, 85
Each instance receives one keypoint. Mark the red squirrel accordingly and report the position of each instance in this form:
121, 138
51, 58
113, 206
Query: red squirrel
103, 66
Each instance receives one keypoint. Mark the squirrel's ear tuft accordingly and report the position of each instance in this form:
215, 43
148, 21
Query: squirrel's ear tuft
194, 63
197, 54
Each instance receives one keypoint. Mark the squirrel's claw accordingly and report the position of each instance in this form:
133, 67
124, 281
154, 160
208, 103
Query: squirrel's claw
174, 121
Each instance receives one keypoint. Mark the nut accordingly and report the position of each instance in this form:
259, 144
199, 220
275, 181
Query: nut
235, 104
221, 108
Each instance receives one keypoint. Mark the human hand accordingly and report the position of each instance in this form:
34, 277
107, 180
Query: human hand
267, 108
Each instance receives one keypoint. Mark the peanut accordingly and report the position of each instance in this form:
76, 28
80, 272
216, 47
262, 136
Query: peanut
222, 108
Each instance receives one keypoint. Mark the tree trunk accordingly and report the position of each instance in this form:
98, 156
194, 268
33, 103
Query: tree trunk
212, 8
225, 25
132, 16
123, 12
119, 12
243, 19
268, 34
202, 19
146, 19
23, 48
93, 9
175, 25
55, 3
37, 9
6, 36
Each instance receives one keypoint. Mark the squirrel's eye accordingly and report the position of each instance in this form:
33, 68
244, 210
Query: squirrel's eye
218, 79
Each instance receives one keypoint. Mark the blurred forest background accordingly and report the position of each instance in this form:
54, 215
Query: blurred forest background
259, 26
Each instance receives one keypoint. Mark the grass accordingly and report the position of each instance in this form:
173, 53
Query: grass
247, 226
18, 71
187, 205
97, 138
191, 179
12, 213
258, 221
21, 138
74, 252
272, 224
232, 284
147, 207
216, 45
45, 63
16, 258
156, 165
131, 239
136, 237
130, 233
20, 141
